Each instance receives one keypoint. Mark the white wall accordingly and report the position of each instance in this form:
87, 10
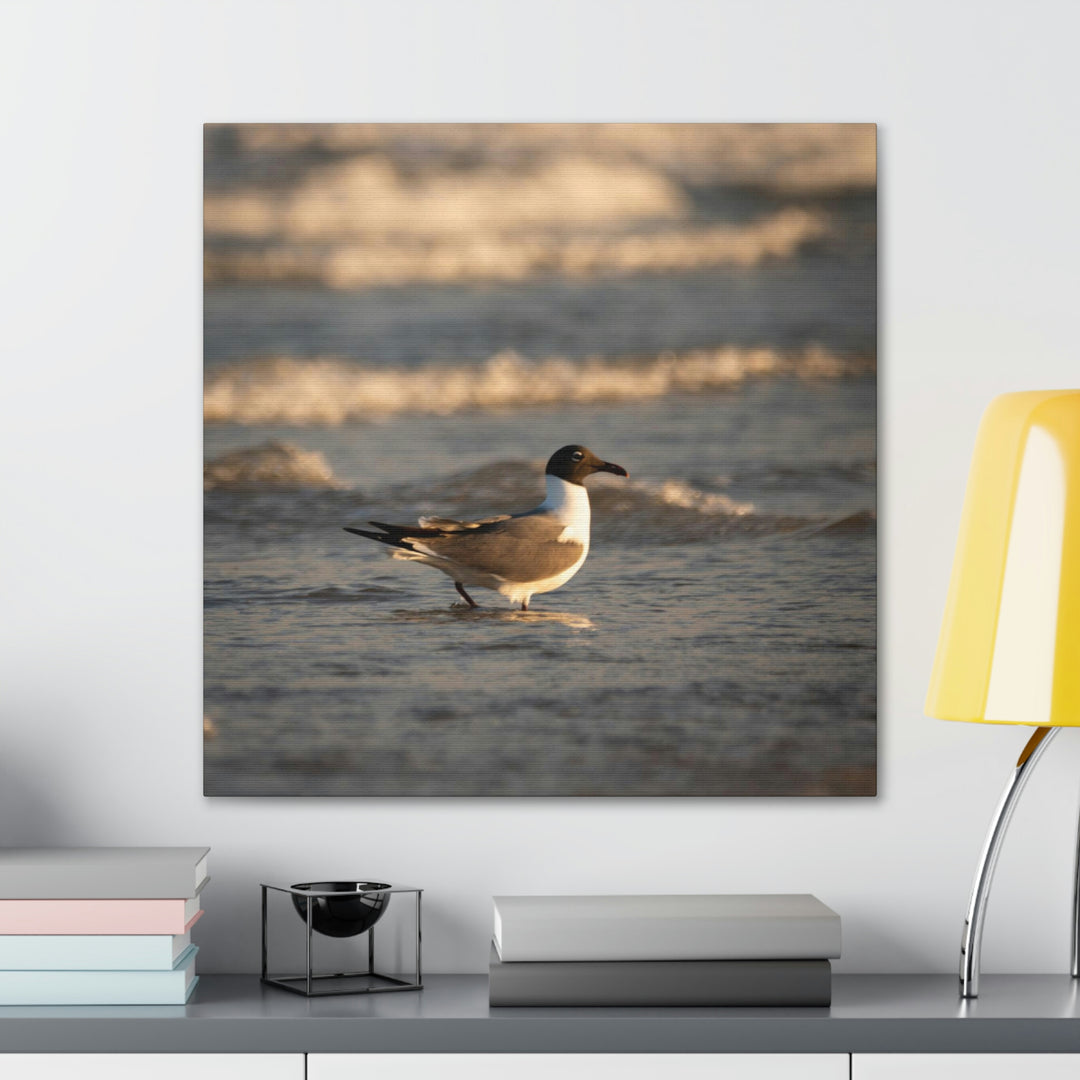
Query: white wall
101, 107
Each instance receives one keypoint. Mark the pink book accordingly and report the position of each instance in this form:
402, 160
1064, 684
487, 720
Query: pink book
98, 916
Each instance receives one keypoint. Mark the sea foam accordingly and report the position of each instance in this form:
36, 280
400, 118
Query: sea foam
786, 158
488, 256
286, 390
369, 197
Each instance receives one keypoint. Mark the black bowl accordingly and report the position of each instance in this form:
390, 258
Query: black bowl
342, 916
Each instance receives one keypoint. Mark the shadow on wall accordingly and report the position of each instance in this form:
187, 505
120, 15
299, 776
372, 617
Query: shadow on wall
30, 815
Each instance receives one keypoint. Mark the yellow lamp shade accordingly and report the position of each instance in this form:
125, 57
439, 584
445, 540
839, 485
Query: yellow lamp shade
1009, 650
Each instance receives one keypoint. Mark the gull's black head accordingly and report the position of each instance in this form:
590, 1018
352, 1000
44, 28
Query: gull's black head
574, 463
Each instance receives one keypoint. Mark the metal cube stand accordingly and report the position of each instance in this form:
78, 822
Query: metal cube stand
342, 982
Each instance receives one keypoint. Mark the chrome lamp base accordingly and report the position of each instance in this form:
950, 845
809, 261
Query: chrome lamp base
971, 944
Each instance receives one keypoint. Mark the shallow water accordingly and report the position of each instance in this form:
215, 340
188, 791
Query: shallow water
720, 638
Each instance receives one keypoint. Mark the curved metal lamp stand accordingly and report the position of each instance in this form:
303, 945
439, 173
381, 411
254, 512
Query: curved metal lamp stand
1075, 969
971, 945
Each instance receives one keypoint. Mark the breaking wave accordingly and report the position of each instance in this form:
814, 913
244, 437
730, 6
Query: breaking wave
327, 391
666, 511
271, 464
359, 206
670, 510
684, 496
856, 524
480, 256
519, 485
372, 197
786, 158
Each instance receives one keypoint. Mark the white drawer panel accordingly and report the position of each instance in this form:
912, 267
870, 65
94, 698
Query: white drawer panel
152, 1066
579, 1066
965, 1066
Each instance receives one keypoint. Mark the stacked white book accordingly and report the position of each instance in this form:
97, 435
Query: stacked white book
99, 926
748, 950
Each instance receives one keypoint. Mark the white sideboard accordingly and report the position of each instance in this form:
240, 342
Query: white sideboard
580, 1066
965, 1066
152, 1066
539, 1066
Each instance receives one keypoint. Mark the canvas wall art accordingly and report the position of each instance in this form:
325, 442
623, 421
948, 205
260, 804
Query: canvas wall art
540, 460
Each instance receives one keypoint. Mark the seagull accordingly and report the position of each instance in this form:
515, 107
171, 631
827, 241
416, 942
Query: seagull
517, 555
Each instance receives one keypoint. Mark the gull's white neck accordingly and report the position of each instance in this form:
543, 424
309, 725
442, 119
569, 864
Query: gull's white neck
569, 503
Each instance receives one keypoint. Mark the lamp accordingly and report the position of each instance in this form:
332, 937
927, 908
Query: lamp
1009, 650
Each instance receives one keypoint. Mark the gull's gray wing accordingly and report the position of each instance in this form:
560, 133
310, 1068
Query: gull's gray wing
525, 547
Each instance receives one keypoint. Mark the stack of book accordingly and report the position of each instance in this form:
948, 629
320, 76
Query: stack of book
99, 926
663, 950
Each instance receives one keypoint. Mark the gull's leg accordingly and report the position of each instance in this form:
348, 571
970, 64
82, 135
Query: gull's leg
468, 599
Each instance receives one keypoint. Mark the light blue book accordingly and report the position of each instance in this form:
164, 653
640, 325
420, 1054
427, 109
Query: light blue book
169, 987
91, 952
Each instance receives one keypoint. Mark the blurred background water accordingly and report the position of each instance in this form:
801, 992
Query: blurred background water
409, 319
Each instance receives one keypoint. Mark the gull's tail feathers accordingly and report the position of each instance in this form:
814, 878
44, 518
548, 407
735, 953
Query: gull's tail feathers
408, 541
399, 536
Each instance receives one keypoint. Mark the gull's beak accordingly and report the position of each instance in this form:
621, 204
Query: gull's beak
610, 466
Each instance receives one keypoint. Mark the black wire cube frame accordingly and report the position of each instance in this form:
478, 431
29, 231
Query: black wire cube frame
342, 982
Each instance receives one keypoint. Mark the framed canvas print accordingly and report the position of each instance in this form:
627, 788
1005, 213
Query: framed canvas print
540, 459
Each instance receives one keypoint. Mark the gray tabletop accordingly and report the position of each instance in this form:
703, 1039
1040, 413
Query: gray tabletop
870, 1013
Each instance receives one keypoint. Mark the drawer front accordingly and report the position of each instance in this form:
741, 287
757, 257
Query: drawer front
578, 1066
152, 1066
965, 1066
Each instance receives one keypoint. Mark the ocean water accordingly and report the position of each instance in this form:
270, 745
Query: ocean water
721, 636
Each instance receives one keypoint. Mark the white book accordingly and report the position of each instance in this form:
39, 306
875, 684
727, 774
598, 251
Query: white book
124, 873
91, 952
786, 926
